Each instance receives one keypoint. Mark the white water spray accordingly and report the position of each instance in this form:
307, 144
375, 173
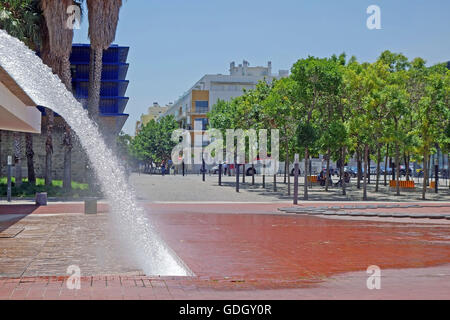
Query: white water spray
46, 89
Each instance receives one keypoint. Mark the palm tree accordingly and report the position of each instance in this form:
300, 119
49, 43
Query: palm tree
22, 19
103, 20
55, 52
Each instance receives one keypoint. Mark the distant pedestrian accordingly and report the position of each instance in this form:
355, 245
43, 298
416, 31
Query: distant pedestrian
163, 169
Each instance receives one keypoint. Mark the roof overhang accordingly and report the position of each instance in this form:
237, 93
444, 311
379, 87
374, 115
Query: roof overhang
18, 111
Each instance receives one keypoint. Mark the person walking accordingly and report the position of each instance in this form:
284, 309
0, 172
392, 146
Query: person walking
163, 169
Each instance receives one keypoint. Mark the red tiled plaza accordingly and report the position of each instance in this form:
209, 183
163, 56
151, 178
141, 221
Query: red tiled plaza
242, 251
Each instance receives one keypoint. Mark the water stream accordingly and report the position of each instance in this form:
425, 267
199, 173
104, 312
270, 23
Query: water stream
136, 231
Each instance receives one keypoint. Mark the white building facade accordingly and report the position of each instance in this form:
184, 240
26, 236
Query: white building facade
191, 109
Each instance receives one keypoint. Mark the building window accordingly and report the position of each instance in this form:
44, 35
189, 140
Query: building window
201, 106
201, 124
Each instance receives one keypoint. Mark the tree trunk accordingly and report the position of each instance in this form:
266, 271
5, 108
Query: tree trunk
327, 179
397, 167
95, 78
406, 166
359, 173
366, 164
286, 169
306, 174
67, 143
289, 179
49, 147
344, 191
18, 158
386, 165
253, 174
425, 174
377, 185
30, 158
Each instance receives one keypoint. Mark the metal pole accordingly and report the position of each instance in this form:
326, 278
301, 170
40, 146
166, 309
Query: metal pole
296, 167
220, 174
236, 167
264, 176
9, 178
203, 169
436, 175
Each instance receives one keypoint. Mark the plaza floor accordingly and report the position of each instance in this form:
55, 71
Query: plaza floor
235, 250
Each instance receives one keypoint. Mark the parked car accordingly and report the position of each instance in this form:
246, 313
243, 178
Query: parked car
403, 171
352, 171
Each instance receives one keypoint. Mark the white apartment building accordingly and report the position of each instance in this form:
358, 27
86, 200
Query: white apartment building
191, 108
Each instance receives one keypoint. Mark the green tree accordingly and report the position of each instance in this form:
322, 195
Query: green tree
153, 144
316, 79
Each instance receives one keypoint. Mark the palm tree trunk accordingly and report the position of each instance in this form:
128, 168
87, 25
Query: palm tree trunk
67, 142
30, 158
49, 147
95, 78
18, 158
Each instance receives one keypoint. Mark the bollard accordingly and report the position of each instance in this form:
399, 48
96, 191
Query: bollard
41, 199
296, 167
9, 178
220, 174
90, 206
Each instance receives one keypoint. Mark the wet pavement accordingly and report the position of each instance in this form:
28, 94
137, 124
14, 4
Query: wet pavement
236, 250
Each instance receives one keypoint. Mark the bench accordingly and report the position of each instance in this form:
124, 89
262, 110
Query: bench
404, 185
312, 179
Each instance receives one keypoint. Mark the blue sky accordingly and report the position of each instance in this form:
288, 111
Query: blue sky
175, 42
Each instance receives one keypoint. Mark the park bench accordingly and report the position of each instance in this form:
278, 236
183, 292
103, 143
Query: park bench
313, 179
404, 185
